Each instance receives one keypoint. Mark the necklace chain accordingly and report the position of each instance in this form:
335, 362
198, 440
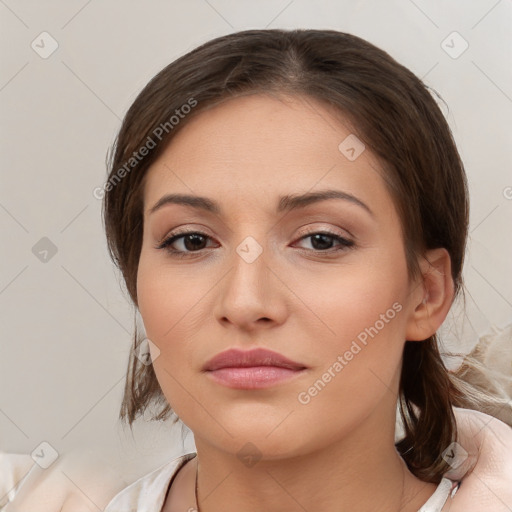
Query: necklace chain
197, 500
401, 497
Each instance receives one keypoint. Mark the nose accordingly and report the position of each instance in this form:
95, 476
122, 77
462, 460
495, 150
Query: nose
252, 294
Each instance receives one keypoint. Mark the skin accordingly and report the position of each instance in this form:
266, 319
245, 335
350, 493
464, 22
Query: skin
337, 451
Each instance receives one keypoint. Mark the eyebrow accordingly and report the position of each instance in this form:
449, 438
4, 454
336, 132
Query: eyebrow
285, 204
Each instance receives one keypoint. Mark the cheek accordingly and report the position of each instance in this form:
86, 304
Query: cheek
177, 312
166, 310
166, 304
361, 363
363, 322
350, 300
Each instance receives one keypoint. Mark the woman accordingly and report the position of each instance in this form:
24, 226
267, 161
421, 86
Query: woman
289, 213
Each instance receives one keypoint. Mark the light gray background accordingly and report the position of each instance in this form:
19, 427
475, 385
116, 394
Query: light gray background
66, 325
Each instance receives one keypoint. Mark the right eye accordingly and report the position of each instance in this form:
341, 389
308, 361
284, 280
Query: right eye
190, 242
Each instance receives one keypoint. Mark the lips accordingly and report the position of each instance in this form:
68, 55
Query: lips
258, 357
251, 370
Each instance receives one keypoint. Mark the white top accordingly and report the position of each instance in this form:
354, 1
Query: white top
147, 494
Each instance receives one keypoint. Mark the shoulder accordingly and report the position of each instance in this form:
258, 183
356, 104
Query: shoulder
147, 494
45, 481
483, 461
13, 468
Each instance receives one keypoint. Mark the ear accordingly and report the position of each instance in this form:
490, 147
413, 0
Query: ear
434, 295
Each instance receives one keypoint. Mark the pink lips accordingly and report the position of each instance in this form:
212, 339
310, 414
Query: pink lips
253, 369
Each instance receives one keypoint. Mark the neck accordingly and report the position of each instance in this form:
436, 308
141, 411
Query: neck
354, 473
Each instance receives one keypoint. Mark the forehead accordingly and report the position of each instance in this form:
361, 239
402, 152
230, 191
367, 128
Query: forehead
258, 147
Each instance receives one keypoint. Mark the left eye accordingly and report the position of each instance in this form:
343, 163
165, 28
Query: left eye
323, 240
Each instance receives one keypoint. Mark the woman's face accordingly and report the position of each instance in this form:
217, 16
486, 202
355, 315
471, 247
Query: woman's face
323, 282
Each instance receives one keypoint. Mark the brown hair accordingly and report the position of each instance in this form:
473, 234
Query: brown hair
396, 117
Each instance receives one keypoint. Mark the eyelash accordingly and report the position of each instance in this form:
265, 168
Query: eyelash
167, 242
